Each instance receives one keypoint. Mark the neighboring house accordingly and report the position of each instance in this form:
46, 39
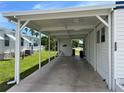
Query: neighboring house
35, 42
7, 43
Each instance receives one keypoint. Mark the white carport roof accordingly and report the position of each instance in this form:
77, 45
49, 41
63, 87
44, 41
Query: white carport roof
69, 23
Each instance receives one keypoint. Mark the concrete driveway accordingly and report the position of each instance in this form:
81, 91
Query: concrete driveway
63, 74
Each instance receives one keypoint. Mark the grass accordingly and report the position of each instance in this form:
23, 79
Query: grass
27, 66
77, 51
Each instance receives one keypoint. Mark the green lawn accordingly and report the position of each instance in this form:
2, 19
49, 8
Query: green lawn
7, 67
77, 51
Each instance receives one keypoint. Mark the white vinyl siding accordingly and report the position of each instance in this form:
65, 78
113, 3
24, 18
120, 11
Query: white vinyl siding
87, 43
92, 49
119, 32
97, 53
102, 55
1, 46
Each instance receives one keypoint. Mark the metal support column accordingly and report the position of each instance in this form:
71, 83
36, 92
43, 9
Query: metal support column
40, 51
17, 53
58, 47
109, 51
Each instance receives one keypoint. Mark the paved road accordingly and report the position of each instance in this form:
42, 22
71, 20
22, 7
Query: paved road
63, 74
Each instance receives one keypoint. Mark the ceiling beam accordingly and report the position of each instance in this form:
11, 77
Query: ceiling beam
70, 33
78, 27
72, 37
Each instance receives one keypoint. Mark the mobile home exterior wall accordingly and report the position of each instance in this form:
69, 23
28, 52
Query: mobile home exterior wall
3, 48
119, 37
65, 47
97, 52
118, 50
102, 56
92, 49
87, 44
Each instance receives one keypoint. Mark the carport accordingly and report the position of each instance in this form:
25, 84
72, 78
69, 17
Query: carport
65, 25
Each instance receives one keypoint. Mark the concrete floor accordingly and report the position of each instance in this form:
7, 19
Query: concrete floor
63, 74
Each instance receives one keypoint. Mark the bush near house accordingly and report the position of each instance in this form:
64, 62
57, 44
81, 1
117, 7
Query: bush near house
27, 66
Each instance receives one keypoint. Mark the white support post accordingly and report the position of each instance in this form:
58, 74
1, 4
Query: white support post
58, 47
109, 51
95, 65
103, 21
40, 51
17, 53
49, 47
54, 46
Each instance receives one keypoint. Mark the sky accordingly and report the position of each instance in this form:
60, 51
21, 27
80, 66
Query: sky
43, 5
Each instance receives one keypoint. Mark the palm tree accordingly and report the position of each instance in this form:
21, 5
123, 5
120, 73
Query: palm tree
36, 33
32, 32
26, 29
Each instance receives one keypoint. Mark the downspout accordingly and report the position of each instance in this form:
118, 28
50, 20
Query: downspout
49, 48
40, 51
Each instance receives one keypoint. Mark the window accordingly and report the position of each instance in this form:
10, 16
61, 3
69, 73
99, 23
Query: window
22, 42
103, 35
98, 36
6, 42
35, 44
29, 44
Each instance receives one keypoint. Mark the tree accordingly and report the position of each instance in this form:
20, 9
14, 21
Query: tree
26, 29
36, 33
32, 32
75, 43
44, 42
